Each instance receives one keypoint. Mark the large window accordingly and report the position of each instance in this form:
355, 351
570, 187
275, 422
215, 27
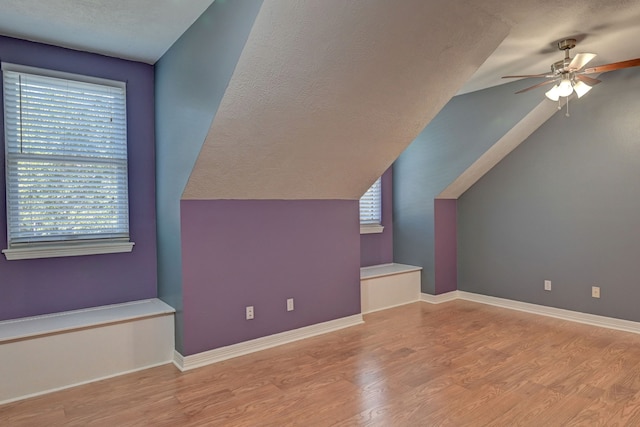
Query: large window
371, 209
66, 164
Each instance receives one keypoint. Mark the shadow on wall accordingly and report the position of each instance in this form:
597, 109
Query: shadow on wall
463, 130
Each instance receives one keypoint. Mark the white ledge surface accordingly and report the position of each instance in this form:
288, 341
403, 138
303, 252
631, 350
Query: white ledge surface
56, 251
371, 229
386, 270
27, 327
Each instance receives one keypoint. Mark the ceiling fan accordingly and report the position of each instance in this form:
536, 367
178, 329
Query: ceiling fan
569, 75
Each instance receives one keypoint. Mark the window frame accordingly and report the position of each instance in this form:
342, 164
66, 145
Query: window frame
72, 246
373, 227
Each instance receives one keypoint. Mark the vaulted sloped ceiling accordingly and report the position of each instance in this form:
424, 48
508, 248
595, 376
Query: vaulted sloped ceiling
141, 30
327, 94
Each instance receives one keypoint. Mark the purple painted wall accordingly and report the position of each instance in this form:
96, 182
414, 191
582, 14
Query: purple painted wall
446, 248
237, 253
32, 287
378, 248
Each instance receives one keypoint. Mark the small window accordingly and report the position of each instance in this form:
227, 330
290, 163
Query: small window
66, 164
371, 209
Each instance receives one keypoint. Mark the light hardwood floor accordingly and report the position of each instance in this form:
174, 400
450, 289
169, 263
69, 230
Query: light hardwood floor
458, 363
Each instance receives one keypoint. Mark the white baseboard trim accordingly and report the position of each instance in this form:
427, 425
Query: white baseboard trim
185, 363
558, 313
106, 377
44, 363
387, 307
439, 299
178, 360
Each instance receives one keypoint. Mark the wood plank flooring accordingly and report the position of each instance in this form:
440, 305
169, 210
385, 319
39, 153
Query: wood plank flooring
456, 364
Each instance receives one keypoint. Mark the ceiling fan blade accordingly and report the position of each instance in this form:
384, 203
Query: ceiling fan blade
548, 82
613, 66
524, 76
588, 80
580, 60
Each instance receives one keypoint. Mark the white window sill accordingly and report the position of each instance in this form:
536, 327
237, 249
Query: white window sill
66, 250
371, 229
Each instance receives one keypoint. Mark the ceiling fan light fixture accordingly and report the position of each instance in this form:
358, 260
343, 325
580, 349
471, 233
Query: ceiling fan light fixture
565, 88
581, 88
553, 93
569, 74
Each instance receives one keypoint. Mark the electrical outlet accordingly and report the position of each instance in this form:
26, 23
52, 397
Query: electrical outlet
595, 291
547, 285
249, 312
290, 304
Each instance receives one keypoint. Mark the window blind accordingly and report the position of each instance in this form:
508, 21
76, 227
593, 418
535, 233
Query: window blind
66, 159
371, 204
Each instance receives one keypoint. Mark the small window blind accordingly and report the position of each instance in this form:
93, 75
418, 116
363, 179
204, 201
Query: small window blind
66, 159
371, 204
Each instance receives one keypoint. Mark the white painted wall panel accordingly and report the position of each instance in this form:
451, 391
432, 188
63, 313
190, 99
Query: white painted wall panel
49, 362
379, 293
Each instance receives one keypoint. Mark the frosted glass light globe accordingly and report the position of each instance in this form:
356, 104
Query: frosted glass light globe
565, 88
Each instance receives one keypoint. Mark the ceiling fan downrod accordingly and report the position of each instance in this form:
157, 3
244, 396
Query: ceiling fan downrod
569, 75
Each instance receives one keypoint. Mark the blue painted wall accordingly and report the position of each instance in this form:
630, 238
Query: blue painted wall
563, 206
463, 130
191, 79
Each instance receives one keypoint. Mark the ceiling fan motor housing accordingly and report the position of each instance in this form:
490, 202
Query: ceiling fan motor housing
569, 75
567, 44
560, 67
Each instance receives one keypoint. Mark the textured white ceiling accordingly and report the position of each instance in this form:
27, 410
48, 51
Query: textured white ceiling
327, 94
144, 29
608, 28
140, 30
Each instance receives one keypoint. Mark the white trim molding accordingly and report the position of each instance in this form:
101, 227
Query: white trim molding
382, 270
439, 299
558, 313
42, 354
185, 363
65, 250
388, 285
79, 383
371, 228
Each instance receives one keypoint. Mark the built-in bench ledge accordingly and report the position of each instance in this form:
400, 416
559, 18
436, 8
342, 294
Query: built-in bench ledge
29, 327
388, 285
50, 352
